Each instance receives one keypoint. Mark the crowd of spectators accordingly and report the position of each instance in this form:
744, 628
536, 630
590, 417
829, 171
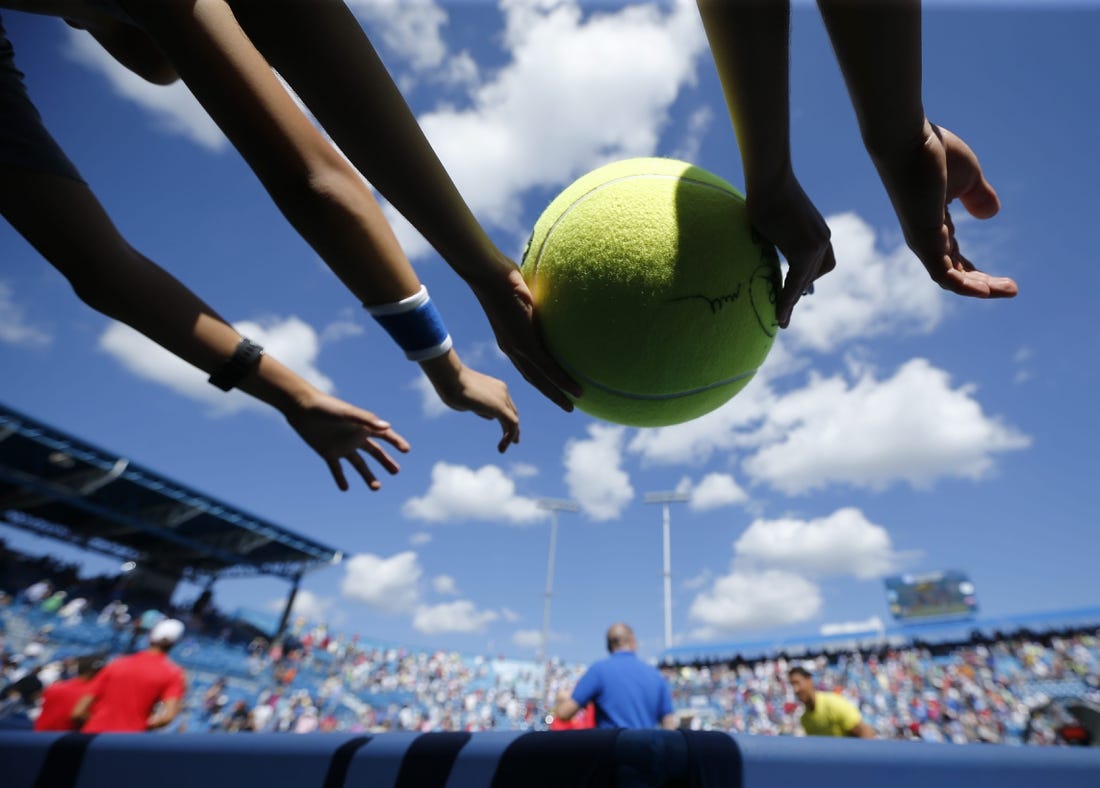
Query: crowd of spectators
981, 691
315, 680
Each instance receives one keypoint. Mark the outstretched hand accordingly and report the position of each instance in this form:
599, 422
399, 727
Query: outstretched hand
339, 431
922, 181
785, 216
465, 389
510, 308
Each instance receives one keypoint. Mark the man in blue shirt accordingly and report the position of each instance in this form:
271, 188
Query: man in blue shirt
628, 693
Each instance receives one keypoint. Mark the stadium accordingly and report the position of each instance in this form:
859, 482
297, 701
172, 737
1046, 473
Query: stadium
1030, 680
283, 284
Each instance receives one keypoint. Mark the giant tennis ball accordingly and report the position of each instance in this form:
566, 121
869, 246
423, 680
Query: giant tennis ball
652, 290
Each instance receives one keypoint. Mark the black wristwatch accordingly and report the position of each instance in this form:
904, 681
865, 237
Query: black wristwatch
244, 360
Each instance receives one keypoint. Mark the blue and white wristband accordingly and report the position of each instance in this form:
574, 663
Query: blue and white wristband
415, 325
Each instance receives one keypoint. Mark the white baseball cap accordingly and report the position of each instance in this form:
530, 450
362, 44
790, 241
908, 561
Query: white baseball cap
168, 630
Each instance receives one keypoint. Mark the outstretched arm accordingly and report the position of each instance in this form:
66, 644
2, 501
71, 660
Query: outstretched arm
321, 195
321, 50
749, 40
127, 44
113, 278
923, 167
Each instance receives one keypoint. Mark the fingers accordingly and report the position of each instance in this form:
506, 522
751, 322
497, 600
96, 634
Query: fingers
555, 387
965, 179
981, 202
364, 470
509, 424
800, 280
549, 368
954, 272
394, 440
337, 474
380, 456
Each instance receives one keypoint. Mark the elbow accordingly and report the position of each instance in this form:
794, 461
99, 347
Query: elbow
162, 74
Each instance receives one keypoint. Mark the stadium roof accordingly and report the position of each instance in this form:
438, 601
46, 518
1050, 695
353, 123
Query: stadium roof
55, 485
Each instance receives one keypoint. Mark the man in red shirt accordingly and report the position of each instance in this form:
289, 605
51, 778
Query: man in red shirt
60, 698
125, 695
582, 720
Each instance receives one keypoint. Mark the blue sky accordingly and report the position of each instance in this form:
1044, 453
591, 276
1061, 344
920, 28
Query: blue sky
892, 428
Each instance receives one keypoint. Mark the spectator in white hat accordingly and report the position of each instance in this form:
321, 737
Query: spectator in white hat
138, 692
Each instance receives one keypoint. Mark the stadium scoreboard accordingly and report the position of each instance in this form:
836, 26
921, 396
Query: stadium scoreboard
944, 594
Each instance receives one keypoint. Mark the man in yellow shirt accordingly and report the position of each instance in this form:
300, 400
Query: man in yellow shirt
826, 714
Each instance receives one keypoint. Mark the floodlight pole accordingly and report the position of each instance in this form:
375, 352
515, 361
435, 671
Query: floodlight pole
553, 506
665, 498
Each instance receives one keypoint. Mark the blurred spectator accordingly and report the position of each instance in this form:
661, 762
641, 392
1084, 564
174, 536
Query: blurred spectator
627, 692
60, 698
826, 713
126, 694
35, 593
583, 719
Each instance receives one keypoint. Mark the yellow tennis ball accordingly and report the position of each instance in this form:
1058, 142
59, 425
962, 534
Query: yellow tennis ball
652, 290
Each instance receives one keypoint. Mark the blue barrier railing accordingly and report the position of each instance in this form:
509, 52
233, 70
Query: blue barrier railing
625, 759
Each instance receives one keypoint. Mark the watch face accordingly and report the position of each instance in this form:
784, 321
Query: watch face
239, 364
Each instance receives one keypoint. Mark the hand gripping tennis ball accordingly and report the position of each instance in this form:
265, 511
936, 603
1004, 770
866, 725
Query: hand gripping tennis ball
652, 290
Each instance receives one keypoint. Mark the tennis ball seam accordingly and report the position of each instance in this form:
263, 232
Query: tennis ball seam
659, 397
606, 184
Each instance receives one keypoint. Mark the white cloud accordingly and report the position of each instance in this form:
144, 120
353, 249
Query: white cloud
738, 423
387, 584
420, 538
461, 493
445, 585
510, 615
341, 329
844, 543
290, 340
745, 599
523, 470
870, 433
912, 427
611, 76
697, 126
872, 624
594, 474
173, 107
712, 492
431, 406
527, 638
1022, 359
871, 292
307, 604
411, 29
458, 616
14, 328
700, 580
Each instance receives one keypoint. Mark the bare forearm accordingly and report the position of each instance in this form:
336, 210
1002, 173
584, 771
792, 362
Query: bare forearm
164, 715
749, 40
370, 122
315, 188
153, 302
878, 47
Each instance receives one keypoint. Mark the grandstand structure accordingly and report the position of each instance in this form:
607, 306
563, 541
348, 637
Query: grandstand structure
55, 485
930, 632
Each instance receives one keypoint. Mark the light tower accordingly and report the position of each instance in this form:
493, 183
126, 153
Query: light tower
553, 506
665, 498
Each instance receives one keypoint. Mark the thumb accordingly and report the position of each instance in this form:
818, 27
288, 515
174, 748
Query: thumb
981, 201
